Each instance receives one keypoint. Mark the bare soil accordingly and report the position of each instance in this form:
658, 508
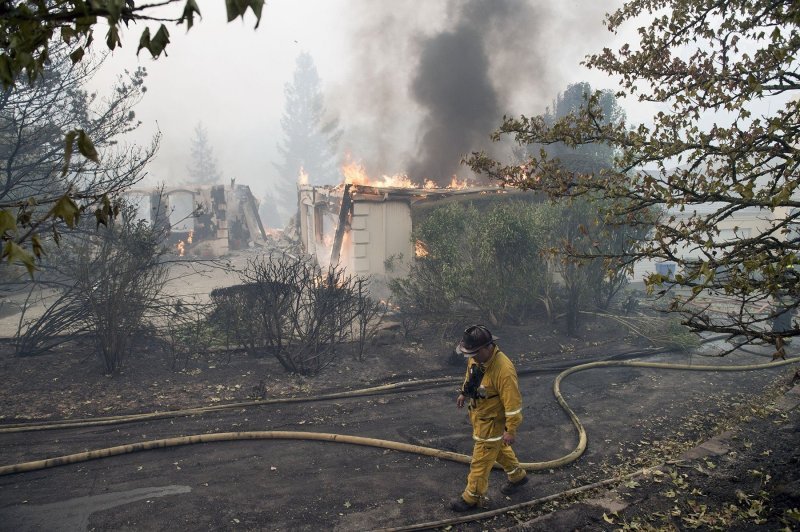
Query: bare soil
634, 418
70, 382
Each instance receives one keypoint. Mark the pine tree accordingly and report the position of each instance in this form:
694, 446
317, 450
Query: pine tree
309, 141
203, 168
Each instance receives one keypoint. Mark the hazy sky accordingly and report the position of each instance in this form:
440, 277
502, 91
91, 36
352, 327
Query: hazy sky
389, 70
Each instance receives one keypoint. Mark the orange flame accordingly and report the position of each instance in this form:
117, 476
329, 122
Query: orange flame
456, 184
302, 178
181, 248
420, 249
190, 237
354, 173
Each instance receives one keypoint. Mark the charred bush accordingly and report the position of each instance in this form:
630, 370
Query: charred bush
369, 316
120, 278
290, 308
109, 281
189, 332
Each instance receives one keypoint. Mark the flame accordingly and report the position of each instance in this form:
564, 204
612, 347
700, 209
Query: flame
354, 173
181, 248
190, 237
456, 184
302, 178
420, 249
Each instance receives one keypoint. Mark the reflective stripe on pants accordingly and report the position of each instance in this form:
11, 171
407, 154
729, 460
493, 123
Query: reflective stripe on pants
484, 455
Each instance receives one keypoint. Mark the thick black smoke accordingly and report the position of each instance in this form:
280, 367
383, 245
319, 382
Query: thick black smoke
434, 78
462, 80
453, 86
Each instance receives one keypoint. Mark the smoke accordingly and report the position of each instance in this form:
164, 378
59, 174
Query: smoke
462, 78
434, 79
459, 102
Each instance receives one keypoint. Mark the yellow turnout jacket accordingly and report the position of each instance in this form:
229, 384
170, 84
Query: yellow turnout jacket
499, 408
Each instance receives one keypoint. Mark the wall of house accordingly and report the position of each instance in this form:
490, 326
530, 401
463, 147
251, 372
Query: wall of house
747, 222
209, 233
381, 236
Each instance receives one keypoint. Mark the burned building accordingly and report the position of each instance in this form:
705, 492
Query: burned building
368, 229
204, 220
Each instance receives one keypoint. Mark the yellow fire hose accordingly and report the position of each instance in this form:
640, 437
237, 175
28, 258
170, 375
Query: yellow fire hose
384, 444
149, 416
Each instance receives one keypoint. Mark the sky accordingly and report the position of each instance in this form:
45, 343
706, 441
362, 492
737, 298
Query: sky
397, 74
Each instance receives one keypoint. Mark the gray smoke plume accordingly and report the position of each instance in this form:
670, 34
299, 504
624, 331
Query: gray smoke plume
461, 105
460, 81
435, 78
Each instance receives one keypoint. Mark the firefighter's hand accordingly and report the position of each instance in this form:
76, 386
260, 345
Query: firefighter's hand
460, 401
508, 438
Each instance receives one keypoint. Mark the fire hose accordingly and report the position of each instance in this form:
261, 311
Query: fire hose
362, 392
371, 442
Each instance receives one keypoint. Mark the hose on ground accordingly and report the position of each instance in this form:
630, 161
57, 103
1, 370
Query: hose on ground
384, 444
362, 392
149, 416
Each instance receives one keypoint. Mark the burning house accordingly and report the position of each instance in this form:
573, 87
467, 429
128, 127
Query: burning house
367, 228
204, 220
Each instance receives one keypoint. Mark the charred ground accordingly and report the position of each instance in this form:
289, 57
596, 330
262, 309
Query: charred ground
634, 419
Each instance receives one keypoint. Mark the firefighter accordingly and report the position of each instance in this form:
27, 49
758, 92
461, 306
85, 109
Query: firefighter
495, 411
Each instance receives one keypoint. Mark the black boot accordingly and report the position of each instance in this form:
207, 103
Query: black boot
510, 488
460, 505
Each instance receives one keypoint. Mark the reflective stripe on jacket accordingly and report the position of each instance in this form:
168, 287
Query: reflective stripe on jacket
501, 408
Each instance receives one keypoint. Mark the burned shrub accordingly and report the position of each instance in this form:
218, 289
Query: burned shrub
290, 308
109, 280
120, 278
369, 316
189, 332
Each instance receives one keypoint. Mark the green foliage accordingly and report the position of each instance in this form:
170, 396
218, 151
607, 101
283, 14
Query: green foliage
42, 195
725, 138
29, 29
495, 260
590, 252
590, 157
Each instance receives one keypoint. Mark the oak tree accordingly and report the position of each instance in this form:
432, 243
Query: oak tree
722, 145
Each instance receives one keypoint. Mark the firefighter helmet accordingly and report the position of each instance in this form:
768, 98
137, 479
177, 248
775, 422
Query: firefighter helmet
475, 337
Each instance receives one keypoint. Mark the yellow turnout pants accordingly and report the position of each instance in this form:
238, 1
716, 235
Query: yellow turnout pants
484, 455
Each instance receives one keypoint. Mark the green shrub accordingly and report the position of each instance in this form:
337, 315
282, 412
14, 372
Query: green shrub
494, 259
